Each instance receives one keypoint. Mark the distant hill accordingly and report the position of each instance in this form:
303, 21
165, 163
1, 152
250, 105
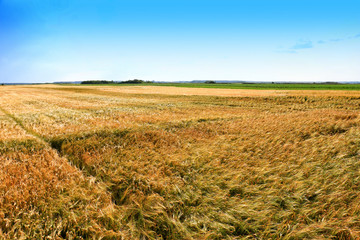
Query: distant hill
217, 81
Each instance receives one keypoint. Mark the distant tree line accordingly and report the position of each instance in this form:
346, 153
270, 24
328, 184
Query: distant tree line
134, 81
97, 82
210, 82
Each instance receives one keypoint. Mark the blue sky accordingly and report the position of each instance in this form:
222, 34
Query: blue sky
179, 40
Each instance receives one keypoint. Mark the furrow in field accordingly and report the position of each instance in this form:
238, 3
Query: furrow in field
49, 196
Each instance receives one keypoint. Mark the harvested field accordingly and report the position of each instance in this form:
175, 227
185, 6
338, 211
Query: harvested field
149, 162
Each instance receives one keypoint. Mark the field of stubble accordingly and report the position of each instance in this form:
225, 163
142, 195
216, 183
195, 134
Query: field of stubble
79, 162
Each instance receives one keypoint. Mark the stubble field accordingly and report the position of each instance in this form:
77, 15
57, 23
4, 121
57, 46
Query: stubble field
108, 162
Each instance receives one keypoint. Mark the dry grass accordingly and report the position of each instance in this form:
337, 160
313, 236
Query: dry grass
113, 162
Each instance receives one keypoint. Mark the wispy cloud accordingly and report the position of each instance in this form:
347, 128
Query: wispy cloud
302, 45
354, 36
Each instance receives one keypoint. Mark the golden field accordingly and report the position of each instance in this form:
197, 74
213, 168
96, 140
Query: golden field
146, 162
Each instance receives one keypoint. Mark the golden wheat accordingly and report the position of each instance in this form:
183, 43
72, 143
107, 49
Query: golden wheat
175, 163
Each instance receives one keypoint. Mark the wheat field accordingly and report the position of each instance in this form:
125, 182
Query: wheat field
108, 162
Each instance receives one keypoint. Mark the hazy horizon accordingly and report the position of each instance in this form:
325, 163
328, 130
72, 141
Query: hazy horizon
179, 40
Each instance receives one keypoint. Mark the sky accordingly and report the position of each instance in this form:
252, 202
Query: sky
179, 40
